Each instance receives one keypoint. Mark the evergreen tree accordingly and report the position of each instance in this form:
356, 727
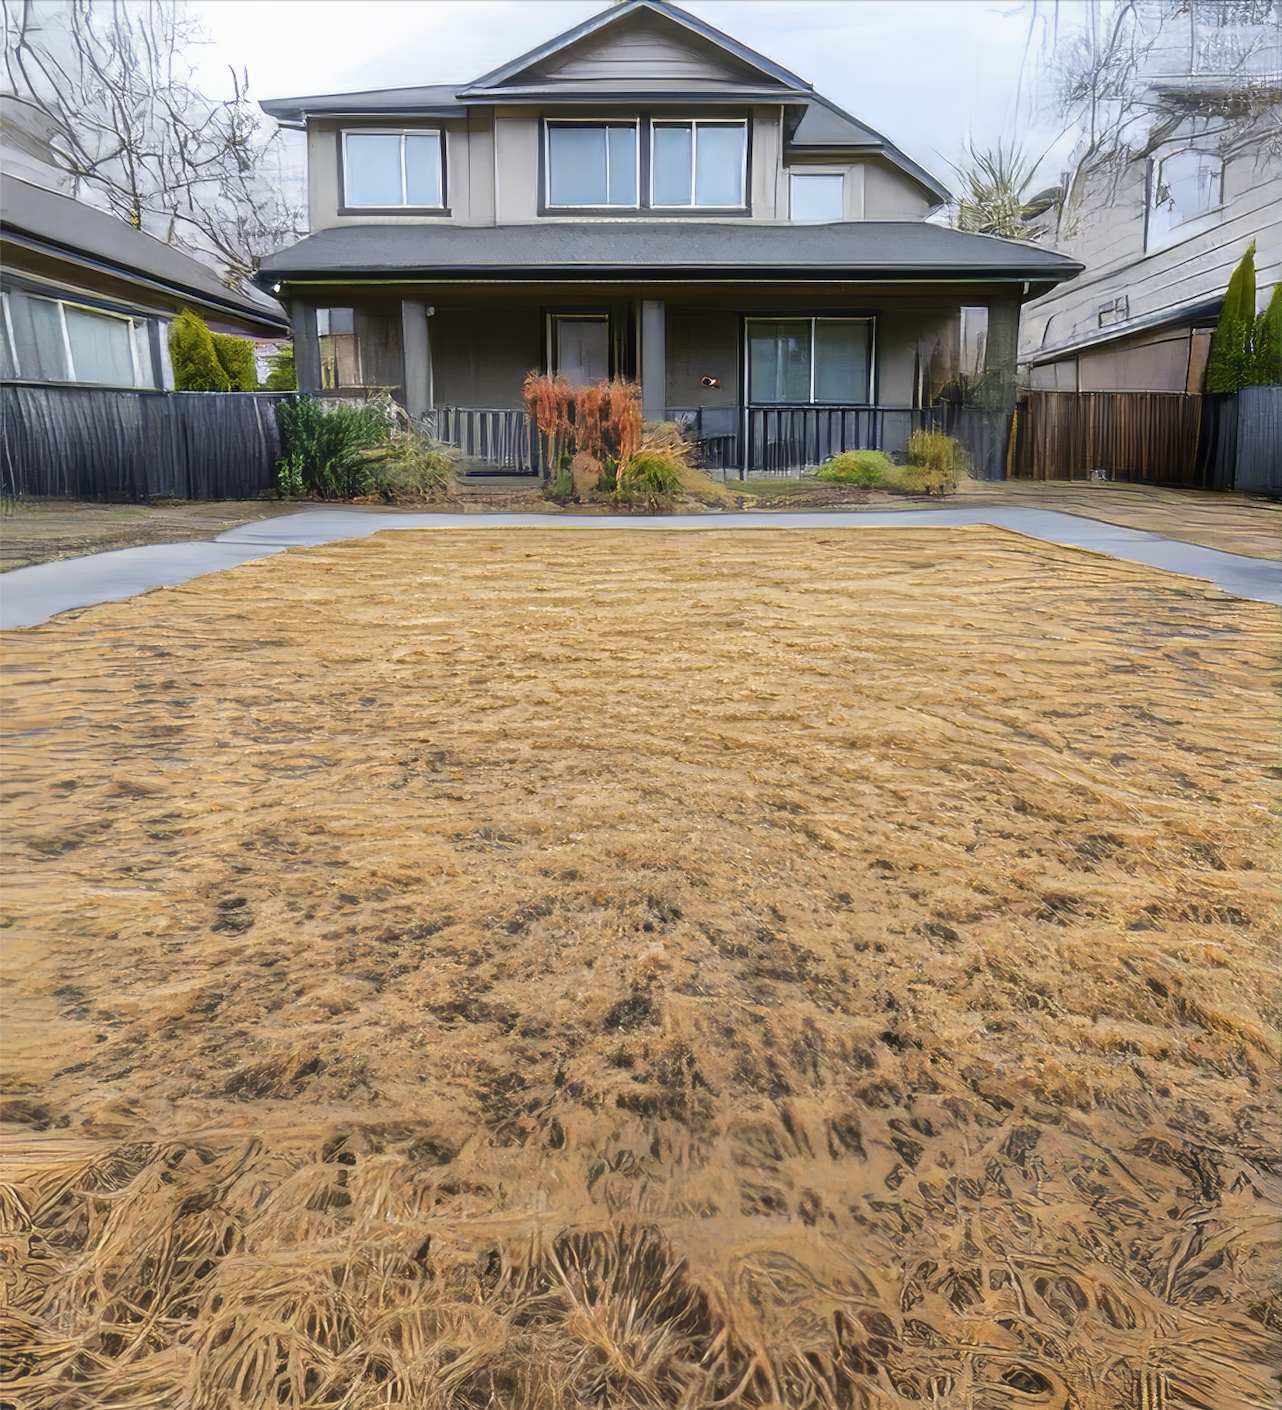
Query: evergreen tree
1229, 366
1266, 344
195, 360
236, 358
282, 377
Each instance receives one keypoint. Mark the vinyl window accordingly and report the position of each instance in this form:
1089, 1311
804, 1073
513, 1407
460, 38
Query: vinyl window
818, 196
698, 163
592, 164
384, 170
50, 340
806, 360
581, 348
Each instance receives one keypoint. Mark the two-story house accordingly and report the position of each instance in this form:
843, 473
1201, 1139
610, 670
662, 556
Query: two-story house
641, 197
1161, 217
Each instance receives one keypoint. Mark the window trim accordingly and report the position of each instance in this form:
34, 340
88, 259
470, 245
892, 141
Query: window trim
1159, 239
346, 207
693, 123
813, 319
69, 361
605, 122
793, 174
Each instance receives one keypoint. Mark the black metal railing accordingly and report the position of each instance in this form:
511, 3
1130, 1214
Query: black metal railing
789, 440
501, 440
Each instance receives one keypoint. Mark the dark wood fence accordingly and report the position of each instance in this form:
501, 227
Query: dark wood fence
1150, 437
108, 443
500, 438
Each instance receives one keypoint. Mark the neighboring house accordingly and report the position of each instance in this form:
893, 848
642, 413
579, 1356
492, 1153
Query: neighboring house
88, 298
642, 197
1198, 177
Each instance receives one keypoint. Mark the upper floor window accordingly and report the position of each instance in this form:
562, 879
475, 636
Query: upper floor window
817, 196
393, 169
592, 163
698, 163
1185, 185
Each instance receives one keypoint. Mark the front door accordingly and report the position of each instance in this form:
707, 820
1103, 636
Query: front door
581, 348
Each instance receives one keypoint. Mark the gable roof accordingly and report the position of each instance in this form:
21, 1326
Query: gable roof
60, 226
638, 51
682, 48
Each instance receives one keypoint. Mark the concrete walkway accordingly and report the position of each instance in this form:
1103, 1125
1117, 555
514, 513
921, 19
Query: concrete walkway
29, 596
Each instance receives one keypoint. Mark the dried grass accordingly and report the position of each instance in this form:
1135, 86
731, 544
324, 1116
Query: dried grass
638, 978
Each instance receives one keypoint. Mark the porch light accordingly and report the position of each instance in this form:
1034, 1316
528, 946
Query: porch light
712, 381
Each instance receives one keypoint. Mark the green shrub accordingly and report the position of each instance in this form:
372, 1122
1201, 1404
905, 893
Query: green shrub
1266, 343
194, 357
561, 485
650, 475
934, 462
282, 376
236, 358
858, 467
1229, 365
325, 452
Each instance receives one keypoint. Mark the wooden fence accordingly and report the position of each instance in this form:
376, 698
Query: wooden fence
110, 443
1151, 437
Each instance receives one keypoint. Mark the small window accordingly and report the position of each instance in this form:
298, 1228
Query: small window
698, 164
800, 360
1185, 185
592, 164
581, 348
973, 337
358, 348
818, 197
390, 169
336, 333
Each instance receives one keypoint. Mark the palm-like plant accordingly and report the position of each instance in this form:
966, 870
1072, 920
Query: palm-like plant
992, 201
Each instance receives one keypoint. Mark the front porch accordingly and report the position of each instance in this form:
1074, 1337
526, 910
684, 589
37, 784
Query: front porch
771, 379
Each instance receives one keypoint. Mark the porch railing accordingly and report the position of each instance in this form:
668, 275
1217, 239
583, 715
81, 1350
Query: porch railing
755, 440
499, 439
789, 440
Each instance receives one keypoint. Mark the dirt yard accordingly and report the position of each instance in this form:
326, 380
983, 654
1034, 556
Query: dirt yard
519, 969
44, 530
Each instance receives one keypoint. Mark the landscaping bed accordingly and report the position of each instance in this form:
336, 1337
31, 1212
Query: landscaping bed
535, 969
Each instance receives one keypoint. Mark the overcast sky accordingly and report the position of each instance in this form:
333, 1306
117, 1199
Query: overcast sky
926, 73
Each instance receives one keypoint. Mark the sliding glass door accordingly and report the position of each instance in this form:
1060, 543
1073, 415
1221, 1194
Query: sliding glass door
808, 361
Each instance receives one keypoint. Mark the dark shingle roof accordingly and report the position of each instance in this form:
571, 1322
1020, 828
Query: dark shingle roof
426, 100
671, 248
62, 224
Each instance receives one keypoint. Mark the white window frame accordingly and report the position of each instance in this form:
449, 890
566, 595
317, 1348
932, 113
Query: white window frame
693, 124
827, 220
402, 133
1159, 234
813, 320
8, 333
62, 306
633, 123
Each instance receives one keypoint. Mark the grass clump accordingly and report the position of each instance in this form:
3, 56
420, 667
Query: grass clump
651, 475
326, 452
873, 468
415, 468
934, 462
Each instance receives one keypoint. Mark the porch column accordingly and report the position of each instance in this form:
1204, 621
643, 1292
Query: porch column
417, 353
302, 317
654, 360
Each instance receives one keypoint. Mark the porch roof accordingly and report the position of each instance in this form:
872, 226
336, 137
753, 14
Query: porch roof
664, 249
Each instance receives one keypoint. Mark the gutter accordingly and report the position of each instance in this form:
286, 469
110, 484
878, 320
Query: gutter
121, 271
1206, 308
631, 274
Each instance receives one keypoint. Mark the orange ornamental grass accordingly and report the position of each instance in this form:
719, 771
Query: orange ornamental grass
604, 418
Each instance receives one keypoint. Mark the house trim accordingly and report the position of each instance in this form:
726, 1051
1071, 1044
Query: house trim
1117, 332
